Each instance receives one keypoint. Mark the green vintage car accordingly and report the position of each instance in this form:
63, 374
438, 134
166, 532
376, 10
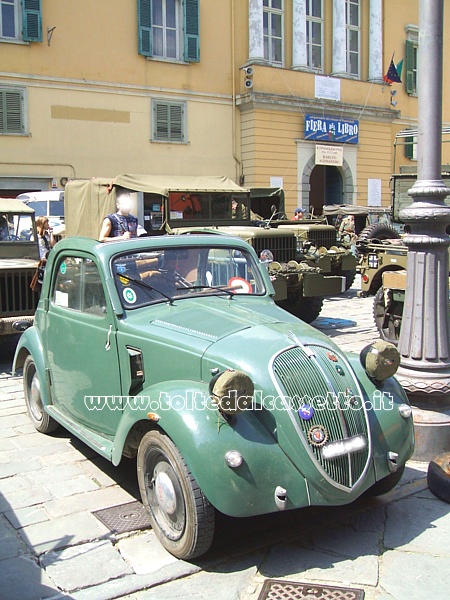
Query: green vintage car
172, 349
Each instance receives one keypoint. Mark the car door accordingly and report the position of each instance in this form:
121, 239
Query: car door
81, 346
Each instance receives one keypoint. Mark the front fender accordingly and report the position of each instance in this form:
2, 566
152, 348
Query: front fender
30, 343
203, 437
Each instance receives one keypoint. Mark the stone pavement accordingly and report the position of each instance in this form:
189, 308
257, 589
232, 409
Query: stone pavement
395, 547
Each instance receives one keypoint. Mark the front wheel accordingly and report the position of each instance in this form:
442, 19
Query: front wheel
41, 420
385, 485
180, 515
306, 309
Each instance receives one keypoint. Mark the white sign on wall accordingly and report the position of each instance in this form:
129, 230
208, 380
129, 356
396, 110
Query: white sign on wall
329, 155
374, 192
328, 88
276, 182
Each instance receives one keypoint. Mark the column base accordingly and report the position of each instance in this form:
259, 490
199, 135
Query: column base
426, 388
431, 433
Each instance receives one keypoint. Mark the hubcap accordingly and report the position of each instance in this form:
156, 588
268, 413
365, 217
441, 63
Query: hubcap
165, 493
35, 401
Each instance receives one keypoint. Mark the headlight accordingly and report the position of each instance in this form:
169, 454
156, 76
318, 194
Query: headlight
380, 360
232, 391
266, 256
233, 458
405, 410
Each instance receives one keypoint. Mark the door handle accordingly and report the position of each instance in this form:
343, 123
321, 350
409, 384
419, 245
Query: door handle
108, 338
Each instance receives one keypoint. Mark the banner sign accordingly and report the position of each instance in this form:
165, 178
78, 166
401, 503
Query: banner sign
329, 155
331, 129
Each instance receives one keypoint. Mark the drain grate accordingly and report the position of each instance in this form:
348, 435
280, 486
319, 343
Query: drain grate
123, 518
276, 589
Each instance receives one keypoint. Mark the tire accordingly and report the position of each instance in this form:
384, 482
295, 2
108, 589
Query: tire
379, 231
438, 476
385, 485
387, 320
41, 420
306, 309
185, 526
349, 278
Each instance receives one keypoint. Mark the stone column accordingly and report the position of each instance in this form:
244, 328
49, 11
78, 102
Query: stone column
255, 31
339, 39
299, 52
376, 41
424, 338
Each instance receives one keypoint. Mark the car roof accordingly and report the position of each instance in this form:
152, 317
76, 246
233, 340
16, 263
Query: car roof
12, 205
40, 196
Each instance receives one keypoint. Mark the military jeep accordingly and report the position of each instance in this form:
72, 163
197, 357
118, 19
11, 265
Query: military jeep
317, 241
19, 257
187, 205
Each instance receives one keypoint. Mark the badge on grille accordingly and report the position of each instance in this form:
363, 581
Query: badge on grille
318, 435
332, 357
306, 412
340, 370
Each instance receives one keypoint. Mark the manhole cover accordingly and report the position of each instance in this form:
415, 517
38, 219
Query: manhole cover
124, 517
275, 589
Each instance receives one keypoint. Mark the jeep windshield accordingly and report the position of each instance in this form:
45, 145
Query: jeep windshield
213, 208
171, 274
15, 228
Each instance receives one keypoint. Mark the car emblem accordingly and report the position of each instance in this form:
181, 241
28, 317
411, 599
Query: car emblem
340, 370
306, 412
318, 435
332, 357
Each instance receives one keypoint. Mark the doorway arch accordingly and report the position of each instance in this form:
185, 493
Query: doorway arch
323, 184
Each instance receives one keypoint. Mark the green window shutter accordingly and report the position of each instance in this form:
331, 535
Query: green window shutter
192, 30
145, 27
409, 147
32, 20
161, 115
409, 65
176, 123
168, 122
11, 113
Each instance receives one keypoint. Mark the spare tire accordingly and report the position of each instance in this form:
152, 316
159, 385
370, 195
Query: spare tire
379, 231
438, 476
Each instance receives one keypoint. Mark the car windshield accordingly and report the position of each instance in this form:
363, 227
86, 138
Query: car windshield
169, 274
15, 228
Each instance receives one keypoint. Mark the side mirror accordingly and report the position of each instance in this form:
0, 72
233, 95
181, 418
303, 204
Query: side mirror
21, 325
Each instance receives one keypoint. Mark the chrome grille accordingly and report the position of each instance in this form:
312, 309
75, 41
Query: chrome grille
325, 238
16, 297
283, 248
306, 375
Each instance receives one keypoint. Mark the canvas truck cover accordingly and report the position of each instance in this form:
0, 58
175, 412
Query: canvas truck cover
87, 202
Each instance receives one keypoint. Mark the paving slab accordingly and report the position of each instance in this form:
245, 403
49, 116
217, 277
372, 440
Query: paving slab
60, 533
22, 579
11, 544
88, 501
11, 468
144, 553
67, 568
21, 517
27, 497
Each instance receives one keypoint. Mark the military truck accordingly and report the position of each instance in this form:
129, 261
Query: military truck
383, 263
317, 243
183, 205
19, 257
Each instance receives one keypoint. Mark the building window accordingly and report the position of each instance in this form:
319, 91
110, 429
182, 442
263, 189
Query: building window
273, 25
12, 120
169, 29
314, 34
20, 20
169, 123
411, 59
353, 34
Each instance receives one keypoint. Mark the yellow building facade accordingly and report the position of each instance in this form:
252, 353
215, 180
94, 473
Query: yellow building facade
267, 92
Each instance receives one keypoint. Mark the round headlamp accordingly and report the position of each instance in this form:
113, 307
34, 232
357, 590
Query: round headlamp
233, 458
380, 360
232, 391
266, 256
405, 410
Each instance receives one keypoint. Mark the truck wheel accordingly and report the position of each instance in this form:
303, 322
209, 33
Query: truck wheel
387, 319
41, 420
180, 515
379, 231
349, 278
306, 309
438, 476
385, 485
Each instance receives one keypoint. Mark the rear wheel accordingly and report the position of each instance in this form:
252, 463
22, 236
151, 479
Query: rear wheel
387, 317
306, 309
41, 420
180, 515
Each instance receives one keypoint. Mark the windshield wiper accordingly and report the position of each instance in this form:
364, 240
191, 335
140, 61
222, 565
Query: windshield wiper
210, 287
146, 285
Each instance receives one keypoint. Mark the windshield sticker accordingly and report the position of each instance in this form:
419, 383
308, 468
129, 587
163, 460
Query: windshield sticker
63, 268
240, 285
61, 299
129, 295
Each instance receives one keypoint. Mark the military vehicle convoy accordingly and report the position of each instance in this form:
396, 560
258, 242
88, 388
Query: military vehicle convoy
19, 257
183, 205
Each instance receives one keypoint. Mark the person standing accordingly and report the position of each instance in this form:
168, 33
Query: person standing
121, 225
45, 239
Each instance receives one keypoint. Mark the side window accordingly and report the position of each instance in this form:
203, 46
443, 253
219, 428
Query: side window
78, 286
